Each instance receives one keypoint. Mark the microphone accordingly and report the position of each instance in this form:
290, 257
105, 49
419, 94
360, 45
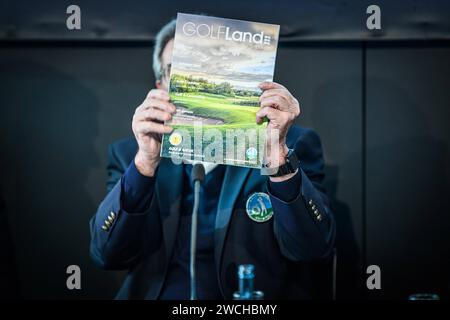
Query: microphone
197, 176
198, 173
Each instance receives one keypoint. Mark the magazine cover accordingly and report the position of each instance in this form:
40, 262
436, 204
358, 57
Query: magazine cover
217, 65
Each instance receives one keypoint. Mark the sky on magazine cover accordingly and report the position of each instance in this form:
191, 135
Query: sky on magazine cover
242, 64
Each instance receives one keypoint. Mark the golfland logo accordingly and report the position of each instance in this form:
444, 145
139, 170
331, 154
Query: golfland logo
203, 30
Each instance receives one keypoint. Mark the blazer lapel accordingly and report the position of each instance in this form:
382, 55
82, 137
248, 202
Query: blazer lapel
169, 188
232, 184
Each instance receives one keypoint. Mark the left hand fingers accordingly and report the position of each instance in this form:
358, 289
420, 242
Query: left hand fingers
266, 85
280, 103
277, 117
272, 89
276, 102
277, 92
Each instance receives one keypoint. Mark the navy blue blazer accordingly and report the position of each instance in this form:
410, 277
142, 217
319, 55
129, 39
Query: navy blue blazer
282, 249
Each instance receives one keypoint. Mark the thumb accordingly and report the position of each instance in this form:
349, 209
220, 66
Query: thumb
266, 85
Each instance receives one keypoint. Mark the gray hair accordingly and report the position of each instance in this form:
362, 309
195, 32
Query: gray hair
162, 38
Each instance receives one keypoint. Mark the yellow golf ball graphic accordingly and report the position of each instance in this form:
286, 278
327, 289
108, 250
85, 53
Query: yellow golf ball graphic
175, 139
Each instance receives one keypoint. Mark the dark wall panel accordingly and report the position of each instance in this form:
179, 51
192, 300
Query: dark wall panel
408, 161
61, 108
327, 81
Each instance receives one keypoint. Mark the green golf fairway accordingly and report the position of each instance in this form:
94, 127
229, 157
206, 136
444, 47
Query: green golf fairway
231, 110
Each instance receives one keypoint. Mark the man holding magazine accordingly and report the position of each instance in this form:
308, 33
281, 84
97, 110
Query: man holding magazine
143, 224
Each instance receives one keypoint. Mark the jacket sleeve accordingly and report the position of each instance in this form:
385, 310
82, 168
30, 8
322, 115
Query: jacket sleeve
304, 227
117, 235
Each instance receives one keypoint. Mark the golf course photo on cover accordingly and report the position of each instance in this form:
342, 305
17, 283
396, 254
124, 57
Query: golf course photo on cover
219, 107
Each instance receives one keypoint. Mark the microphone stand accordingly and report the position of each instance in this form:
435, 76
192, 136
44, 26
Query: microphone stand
197, 176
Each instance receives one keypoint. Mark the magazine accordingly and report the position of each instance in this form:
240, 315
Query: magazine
217, 65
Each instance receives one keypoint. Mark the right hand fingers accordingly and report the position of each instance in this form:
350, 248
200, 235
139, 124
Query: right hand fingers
152, 114
146, 127
158, 94
158, 104
155, 108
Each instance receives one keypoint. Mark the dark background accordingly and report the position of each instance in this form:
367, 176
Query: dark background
378, 99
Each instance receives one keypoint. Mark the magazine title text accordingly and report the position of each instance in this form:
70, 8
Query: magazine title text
216, 32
